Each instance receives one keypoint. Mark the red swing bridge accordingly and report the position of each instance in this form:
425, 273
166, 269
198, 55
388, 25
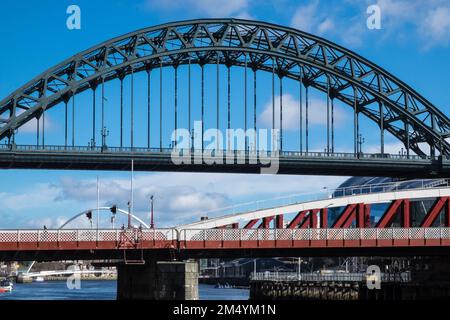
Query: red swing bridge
412, 221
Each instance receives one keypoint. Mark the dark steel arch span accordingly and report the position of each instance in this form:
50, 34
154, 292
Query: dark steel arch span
374, 92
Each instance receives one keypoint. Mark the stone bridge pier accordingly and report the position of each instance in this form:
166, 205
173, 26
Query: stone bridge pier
158, 280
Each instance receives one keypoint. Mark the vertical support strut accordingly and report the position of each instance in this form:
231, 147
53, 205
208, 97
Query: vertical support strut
73, 119
254, 109
332, 125
328, 115
189, 98
37, 131
203, 101
175, 105
148, 107
300, 88
307, 118
132, 109
407, 125
281, 112
160, 103
217, 98
121, 111
381, 106
103, 105
245, 103
273, 105
355, 121
432, 143
229, 105
93, 116
43, 129
65, 123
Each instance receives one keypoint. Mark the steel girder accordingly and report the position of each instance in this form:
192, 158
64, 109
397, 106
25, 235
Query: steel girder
291, 53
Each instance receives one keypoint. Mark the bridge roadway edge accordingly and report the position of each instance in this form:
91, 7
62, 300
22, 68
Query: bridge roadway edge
162, 162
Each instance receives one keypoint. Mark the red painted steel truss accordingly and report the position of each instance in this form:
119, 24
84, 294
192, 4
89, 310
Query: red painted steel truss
355, 215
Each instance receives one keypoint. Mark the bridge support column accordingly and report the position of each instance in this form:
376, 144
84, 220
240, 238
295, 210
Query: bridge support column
162, 280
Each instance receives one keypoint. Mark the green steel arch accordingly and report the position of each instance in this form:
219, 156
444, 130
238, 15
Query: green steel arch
316, 62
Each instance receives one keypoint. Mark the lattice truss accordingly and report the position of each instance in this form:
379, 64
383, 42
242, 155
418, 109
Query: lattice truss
315, 62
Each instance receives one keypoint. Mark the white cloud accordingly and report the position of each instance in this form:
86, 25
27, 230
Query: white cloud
210, 8
178, 197
326, 25
31, 126
391, 148
36, 196
317, 111
426, 21
309, 17
437, 25
185, 197
429, 20
56, 222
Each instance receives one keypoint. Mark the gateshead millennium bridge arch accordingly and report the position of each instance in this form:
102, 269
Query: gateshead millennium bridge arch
283, 52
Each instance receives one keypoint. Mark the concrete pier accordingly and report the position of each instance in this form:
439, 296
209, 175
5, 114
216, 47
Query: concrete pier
160, 280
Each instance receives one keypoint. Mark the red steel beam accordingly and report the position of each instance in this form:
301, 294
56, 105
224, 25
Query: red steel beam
279, 221
324, 218
363, 215
265, 223
406, 213
297, 220
345, 217
447, 214
251, 224
434, 212
389, 215
392, 211
313, 218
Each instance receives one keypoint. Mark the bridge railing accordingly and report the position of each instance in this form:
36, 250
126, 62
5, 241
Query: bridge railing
248, 153
326, 193
229, 235
225, 238
337, 277
225, 234
85, 235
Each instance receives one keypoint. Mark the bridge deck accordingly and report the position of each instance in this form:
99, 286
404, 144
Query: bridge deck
312, 163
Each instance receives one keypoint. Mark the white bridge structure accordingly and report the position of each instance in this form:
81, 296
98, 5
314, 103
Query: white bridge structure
66, 272
340, 197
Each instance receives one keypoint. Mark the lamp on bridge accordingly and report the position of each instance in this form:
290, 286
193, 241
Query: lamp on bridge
152, 225
360, 141
89, 216
129, 214
113, 216
105, 133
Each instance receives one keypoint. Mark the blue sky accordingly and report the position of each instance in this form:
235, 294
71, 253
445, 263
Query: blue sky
413, 44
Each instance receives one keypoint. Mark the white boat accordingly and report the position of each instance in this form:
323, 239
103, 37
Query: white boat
6, 285
39, 279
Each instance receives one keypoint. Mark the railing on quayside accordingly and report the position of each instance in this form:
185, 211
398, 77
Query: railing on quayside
336, 276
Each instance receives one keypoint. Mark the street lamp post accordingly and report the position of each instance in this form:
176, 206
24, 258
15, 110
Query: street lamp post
152, 225
361, 140
129, 214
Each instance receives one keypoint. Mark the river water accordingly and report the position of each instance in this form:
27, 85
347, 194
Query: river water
102, 290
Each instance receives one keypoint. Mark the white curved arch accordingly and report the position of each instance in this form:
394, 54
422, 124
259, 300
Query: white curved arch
382, 197
104, 209
64, 272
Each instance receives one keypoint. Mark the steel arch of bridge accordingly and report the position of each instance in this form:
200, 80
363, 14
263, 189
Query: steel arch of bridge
313, 61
